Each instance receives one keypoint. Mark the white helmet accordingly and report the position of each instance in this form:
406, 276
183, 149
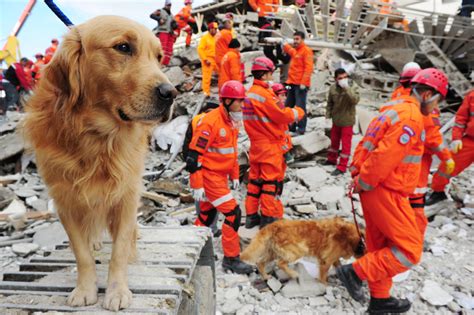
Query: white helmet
411, 65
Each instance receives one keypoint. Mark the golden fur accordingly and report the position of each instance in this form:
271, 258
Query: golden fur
90, 156
287, 241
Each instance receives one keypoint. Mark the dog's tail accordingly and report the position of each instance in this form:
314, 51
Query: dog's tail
258, 246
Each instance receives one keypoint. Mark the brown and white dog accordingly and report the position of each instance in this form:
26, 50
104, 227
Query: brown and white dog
287, 241
88, 124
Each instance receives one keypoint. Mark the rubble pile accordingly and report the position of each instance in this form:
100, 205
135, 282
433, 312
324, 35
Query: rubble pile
442, 282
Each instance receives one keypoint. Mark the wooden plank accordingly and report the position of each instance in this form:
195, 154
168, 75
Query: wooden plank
298, 23
428, 25
456, 26
325, 13
355, 14
309, 10
457, 43
375, 32
339, 14
439, 29
368, 20
413, 27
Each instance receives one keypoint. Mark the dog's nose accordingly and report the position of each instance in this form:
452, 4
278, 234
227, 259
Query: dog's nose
166, 92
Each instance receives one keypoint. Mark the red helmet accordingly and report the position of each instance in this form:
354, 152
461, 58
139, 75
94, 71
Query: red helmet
279, 89
408, 74
300, 2
186, 2
232, 89
263, 63
434, 78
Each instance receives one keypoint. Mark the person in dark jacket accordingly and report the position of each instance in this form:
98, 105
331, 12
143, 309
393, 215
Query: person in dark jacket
342, 100
165, 30
14, 80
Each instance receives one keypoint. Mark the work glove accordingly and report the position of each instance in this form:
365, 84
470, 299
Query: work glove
302, 87
456, 146
450, 165
235, 184
354, 185
198, 194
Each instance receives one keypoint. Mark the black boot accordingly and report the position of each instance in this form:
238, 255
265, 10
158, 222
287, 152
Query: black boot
351, 281
264, 221
435, 197
252, 220
388, 306
234, 264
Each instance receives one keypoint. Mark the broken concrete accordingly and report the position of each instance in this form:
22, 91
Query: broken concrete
434, 294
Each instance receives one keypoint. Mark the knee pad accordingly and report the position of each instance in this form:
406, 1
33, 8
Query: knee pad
211, 215
237, 213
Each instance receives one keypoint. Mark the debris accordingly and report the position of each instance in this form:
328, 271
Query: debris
11, 145
274, 284
329, 194
434, 294
312, 177
310, 143
306, 208
15, 207
23, 249
50, 236
175, 75
155, 197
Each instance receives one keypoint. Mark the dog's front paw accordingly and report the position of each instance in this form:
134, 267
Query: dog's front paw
117, 298
81, 296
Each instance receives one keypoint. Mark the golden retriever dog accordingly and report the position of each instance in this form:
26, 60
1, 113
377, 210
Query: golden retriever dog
88, 123
287, 241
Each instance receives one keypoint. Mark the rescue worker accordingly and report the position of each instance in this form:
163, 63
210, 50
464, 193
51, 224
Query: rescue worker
183, 18
299, 76
433, 145
408, 72
386, 167
462, 148
342, 100
207, 53
212, 160
165, 31
223, 39
281, 92
264, 120
230, 68
14, 80
264, 8
49, 52
38, 66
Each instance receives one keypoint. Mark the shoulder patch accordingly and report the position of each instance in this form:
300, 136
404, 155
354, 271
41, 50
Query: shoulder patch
202, 142
404, 138
409, 130
206, 133
222, 132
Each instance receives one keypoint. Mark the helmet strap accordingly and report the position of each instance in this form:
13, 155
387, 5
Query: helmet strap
424, 103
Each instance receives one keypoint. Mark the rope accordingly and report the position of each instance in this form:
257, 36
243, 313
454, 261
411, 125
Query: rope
59, 13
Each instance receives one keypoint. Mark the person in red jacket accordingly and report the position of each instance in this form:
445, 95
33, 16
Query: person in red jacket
14, 80
264, 122
385, 171
299, 76
183, 18
462, 147
212, 161
49, 52
231, 67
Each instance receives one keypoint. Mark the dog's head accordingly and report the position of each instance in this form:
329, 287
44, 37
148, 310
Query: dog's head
109, 67
351, 243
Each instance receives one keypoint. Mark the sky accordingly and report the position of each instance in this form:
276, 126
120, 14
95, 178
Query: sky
42, 25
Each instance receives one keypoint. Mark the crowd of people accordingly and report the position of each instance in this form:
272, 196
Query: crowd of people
390, 166
21, 77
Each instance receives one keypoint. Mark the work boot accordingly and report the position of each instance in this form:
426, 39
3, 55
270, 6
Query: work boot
327, 163
252, 220
388, 306
266, 221
337, 172
351, 281
435, 197
289, 158
236, 265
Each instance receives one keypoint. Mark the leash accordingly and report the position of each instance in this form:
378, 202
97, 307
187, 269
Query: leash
56, 10
362, 239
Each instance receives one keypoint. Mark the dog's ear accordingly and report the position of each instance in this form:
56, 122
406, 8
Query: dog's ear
63, 73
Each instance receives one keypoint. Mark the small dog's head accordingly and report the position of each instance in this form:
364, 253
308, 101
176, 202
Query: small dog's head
352, 244
109, 67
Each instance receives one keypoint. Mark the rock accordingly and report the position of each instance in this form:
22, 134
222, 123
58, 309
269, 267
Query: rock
312, 177
365, 116
16, 207
232, 293
231, 306
25, 193
329, 194
311, 208
11, 144
434, 294
294, 289
175, 75
9, 179
453, 306
23, 249
310, 143
317, 301
245, 310
299, 201
6, 197
51, 236
274, 284
39, 205
248, 234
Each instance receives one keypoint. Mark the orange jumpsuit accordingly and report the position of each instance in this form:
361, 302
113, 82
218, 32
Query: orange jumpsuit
230, 68
223, 39
265, 121
301, 64
463, 130
207, 51
401, 90
215, 139
387, 166
49, 52
183, 18
433, 145
37, 68
264, 7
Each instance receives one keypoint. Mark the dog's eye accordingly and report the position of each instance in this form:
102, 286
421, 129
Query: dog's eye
160, 57
124, 48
